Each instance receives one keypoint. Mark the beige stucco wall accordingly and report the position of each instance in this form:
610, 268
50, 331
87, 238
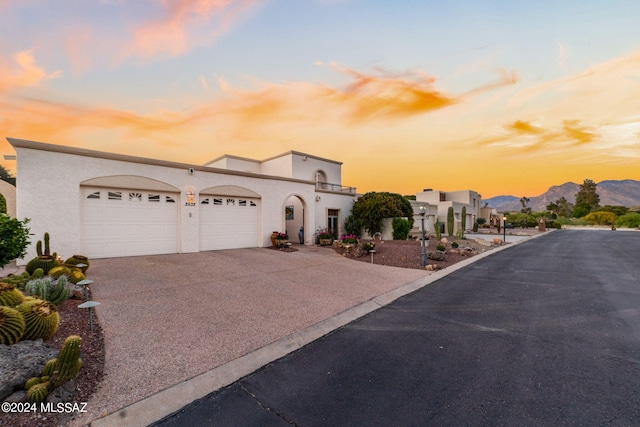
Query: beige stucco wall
8, 191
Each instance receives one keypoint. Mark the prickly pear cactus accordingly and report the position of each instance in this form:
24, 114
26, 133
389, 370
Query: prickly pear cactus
68, 363
41, 318
9, 295
38, 392
12, 325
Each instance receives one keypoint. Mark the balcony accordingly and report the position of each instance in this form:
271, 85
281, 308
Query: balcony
337, 188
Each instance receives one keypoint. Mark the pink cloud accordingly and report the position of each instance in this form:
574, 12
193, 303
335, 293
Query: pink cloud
22, 71
185, 23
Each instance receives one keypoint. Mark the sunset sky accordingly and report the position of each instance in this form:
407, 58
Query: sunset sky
501, 97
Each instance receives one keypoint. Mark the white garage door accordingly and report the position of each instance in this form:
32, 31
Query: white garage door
228, 222
118, 222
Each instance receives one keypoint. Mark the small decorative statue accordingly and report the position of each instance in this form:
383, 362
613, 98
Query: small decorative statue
301, 235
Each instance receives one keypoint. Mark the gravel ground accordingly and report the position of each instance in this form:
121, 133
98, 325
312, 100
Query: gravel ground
408, 253
73, 321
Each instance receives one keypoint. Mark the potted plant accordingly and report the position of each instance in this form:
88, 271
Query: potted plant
281, 239
325, 237
349, 239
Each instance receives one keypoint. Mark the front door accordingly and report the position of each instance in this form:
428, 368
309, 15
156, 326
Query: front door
332, 221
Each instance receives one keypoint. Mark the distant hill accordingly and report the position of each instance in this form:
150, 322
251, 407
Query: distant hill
618, 193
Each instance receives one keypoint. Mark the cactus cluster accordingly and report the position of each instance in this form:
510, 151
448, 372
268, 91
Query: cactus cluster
12, 325
49, 289
46, 261
41, 318
56, 371
9, 295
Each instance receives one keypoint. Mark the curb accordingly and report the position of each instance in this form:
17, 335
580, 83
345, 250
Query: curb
166, 402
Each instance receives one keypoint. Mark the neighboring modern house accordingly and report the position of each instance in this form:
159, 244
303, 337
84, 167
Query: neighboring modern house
108, 205
441, 201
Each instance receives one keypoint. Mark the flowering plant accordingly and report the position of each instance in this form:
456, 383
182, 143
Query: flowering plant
282, 236
368, 246
349, 239
325, 234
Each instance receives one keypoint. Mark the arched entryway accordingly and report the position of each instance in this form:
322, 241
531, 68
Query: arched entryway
296, 219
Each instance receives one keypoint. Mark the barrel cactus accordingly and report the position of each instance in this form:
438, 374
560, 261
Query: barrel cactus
79, 259
41, 318
68, 363
37, 274
38, 392
12, 325
9, 295
46, 261
60, 270
31, 382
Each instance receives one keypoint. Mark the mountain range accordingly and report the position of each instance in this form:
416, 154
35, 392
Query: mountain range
624, 192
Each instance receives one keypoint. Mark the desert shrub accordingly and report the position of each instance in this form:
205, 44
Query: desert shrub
630, 220
401, 228
352, 225
481, 221
601, 218
441, 247
454, 245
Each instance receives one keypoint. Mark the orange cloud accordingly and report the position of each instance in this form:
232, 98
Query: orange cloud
23, 72
184, 23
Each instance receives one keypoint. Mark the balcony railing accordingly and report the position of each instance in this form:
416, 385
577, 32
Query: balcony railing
326, 186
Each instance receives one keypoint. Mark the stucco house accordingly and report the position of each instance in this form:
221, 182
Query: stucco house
103, 204
438, 203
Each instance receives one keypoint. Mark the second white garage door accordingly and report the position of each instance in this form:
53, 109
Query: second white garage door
229, 222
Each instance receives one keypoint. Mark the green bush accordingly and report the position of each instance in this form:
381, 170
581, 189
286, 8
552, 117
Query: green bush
14, 239
441, 247
372, 208
401, 228
352, 225
630, 220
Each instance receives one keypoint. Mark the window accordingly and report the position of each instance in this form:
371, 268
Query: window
231, 202
217, 201
169, 199
154, 198
252, 203
115, 195
135, 197
205, 202
94, 195
242, 203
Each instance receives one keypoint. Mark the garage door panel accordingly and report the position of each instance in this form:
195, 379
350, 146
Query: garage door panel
228, 223
136, 223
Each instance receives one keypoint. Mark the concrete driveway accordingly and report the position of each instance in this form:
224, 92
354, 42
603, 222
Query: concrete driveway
174, 321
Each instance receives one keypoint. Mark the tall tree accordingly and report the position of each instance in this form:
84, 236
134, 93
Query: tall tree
6, 176
524, 201
587, 198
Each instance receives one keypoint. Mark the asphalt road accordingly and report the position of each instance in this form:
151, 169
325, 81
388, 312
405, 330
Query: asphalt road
546, 333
